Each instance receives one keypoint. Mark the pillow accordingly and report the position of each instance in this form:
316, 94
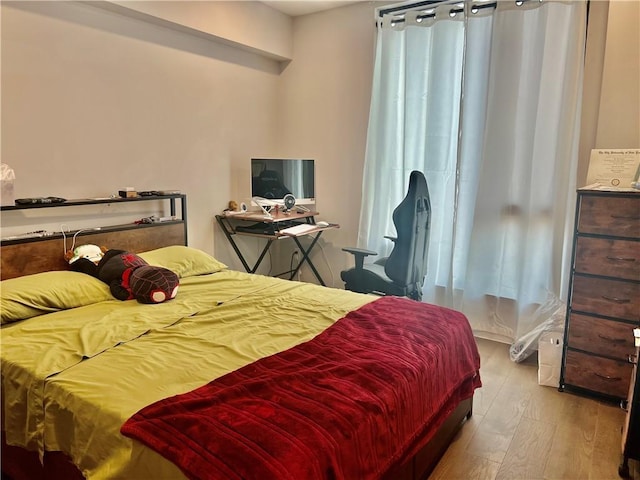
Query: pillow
185, 261
33, 295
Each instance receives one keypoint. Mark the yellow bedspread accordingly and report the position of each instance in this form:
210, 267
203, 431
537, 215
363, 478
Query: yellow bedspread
71, 378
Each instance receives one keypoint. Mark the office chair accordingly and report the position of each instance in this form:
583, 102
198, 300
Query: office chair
403, 271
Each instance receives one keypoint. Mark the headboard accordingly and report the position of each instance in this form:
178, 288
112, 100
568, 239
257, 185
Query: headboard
45, 254
41, 254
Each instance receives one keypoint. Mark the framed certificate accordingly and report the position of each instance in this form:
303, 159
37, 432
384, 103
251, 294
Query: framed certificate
614, 168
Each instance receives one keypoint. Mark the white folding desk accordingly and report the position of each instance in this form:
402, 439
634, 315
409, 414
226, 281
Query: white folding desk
255, 224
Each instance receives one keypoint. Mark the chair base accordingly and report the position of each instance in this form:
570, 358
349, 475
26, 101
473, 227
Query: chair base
366, 281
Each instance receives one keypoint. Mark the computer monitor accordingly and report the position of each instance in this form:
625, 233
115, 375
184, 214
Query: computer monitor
273, 178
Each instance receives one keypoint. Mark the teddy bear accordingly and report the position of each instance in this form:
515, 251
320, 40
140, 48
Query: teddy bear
128, 275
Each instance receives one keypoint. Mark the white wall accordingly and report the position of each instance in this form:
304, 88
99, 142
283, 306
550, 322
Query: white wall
325, 93
326, 90
93, 101
619, 114
611, 95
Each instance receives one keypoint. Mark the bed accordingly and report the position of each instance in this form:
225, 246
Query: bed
239, 376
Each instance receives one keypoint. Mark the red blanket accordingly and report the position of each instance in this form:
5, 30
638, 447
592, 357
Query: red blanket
348, 404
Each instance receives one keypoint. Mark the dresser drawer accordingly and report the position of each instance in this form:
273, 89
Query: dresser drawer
608, 257
600, 336
613, 298
618, 216
609, 377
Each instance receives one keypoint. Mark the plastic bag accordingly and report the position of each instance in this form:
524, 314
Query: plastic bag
7, 178
523, 347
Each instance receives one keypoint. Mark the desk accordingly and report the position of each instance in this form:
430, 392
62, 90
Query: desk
269, 228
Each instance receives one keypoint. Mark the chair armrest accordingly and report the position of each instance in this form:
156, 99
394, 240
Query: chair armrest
359, 254
359, 251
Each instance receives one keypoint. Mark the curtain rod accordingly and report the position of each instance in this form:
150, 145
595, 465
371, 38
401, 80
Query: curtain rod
426, 4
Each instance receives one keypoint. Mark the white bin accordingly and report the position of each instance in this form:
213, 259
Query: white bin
550, 358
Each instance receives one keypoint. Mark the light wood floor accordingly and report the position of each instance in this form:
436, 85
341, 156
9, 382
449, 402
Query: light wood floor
521, 430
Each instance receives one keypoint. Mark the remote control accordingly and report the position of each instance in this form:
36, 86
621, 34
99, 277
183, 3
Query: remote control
39, 200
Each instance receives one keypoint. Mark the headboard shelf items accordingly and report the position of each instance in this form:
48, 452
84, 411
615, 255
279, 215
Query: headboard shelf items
96, 201
24, 255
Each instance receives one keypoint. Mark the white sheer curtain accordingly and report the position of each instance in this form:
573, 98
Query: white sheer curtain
486, 103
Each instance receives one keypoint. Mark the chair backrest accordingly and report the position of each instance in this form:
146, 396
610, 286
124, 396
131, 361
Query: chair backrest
407, 263
270, 185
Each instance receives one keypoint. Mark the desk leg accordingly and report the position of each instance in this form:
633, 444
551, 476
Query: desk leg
305, 258
264, 252
244, 262
229, 234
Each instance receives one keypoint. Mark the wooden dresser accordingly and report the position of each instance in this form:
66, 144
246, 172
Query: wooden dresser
604, 295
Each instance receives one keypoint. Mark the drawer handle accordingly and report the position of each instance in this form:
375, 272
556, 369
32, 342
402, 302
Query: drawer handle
607, 377
626, 217
611, 339
616, 300
621, 259
633, 359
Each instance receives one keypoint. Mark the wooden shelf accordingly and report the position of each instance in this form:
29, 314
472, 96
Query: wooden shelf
110, 228
93, 201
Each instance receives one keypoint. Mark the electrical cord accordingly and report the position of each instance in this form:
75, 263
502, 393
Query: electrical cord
295, 254
324, 255
73, 244
326, 260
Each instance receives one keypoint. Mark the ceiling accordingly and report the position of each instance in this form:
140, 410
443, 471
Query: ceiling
294, 8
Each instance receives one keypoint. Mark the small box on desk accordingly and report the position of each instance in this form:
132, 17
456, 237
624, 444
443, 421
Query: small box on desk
127, 193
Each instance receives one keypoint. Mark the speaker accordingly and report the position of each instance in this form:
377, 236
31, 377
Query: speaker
289, 201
